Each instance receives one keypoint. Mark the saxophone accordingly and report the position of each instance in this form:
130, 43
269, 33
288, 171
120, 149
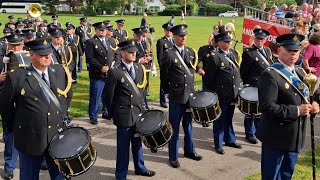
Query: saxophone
65, 65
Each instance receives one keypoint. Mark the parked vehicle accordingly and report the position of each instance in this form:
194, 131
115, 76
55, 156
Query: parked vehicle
229, 14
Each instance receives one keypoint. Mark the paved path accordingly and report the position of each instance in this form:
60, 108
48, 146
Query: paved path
235, 164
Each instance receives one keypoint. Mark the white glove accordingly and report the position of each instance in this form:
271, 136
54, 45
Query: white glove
154, 73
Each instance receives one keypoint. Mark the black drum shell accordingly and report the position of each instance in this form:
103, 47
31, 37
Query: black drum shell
249, 106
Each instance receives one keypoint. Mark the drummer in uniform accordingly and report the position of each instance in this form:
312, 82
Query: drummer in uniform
255, 60
120, 91
223, 77
204, 54
120, 34
15, 43
177, 79
162, 45
35, 120
283, 99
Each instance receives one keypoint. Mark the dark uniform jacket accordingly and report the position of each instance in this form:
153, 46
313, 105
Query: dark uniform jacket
174, 77
57, 57
74, 44
3, 51
79, 31
42, 34
253, 64
98, 56
223, 77
58, 24
123, 104
35, 120
280, 127
120, 37
162, 45
204, 54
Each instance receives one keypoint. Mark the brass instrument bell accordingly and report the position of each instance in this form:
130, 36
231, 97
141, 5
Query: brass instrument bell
311, 81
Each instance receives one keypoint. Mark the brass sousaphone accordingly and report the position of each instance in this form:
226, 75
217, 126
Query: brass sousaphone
34, 10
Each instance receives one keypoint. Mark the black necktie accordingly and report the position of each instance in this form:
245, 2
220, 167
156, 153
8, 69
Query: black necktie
132, 73
70, 37
263, 52
44, 78
182, 54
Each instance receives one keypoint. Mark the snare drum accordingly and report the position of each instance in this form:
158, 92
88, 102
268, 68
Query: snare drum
249, 101
154, 128
18, 60
204, 107
73, 151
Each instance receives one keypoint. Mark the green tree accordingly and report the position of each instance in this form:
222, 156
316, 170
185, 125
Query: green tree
50, 6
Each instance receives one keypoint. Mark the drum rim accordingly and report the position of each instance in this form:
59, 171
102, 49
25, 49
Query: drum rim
200, 108
246, 86
85, 170
77, 154
157, 129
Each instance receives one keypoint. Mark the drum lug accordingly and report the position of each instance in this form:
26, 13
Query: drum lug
82, 165
70, 169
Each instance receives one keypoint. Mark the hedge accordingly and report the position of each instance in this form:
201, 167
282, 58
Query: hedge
214, 9
170, 12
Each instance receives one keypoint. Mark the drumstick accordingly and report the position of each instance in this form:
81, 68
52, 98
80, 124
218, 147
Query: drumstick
6, 61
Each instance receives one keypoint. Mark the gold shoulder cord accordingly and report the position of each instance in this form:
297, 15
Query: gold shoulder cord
144, 81
114, 48
194, 66
69, 78
239, 60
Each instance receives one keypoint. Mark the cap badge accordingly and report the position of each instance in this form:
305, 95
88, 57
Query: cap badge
260, 31
45, 42
16, 37
295, 38
182, 27
222, 64
57, 30
132, 43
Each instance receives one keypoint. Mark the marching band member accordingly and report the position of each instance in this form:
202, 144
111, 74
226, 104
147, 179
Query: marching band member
204, 54
28, 35
15, 43
84, 31
255, 60
35, 120
162, 45
55, 21
73, 41
124, 106
177, 79
120, 34
223, 77
99, 61
283, 99
42, 33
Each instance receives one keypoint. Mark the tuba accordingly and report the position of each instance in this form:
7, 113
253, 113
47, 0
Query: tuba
34, 10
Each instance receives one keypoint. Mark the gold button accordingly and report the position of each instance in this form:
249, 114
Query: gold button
131, 106
131, 95
36, 99
48, 114
49, 127
57, 112
58, 125
233, 77
59, 95
19, 126
295, 94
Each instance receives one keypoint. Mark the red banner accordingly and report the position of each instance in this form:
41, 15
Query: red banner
274, 29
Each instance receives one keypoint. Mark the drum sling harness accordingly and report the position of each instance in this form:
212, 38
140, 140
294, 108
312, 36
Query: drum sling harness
47, 89
183, 64
293, 80
134, 86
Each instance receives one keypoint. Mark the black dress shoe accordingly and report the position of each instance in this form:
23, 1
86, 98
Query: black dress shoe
93, 122
8, 175
174, 164
194, 156
220, 150
148, 173
234, 145
107, 117
164, 105
252, 140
